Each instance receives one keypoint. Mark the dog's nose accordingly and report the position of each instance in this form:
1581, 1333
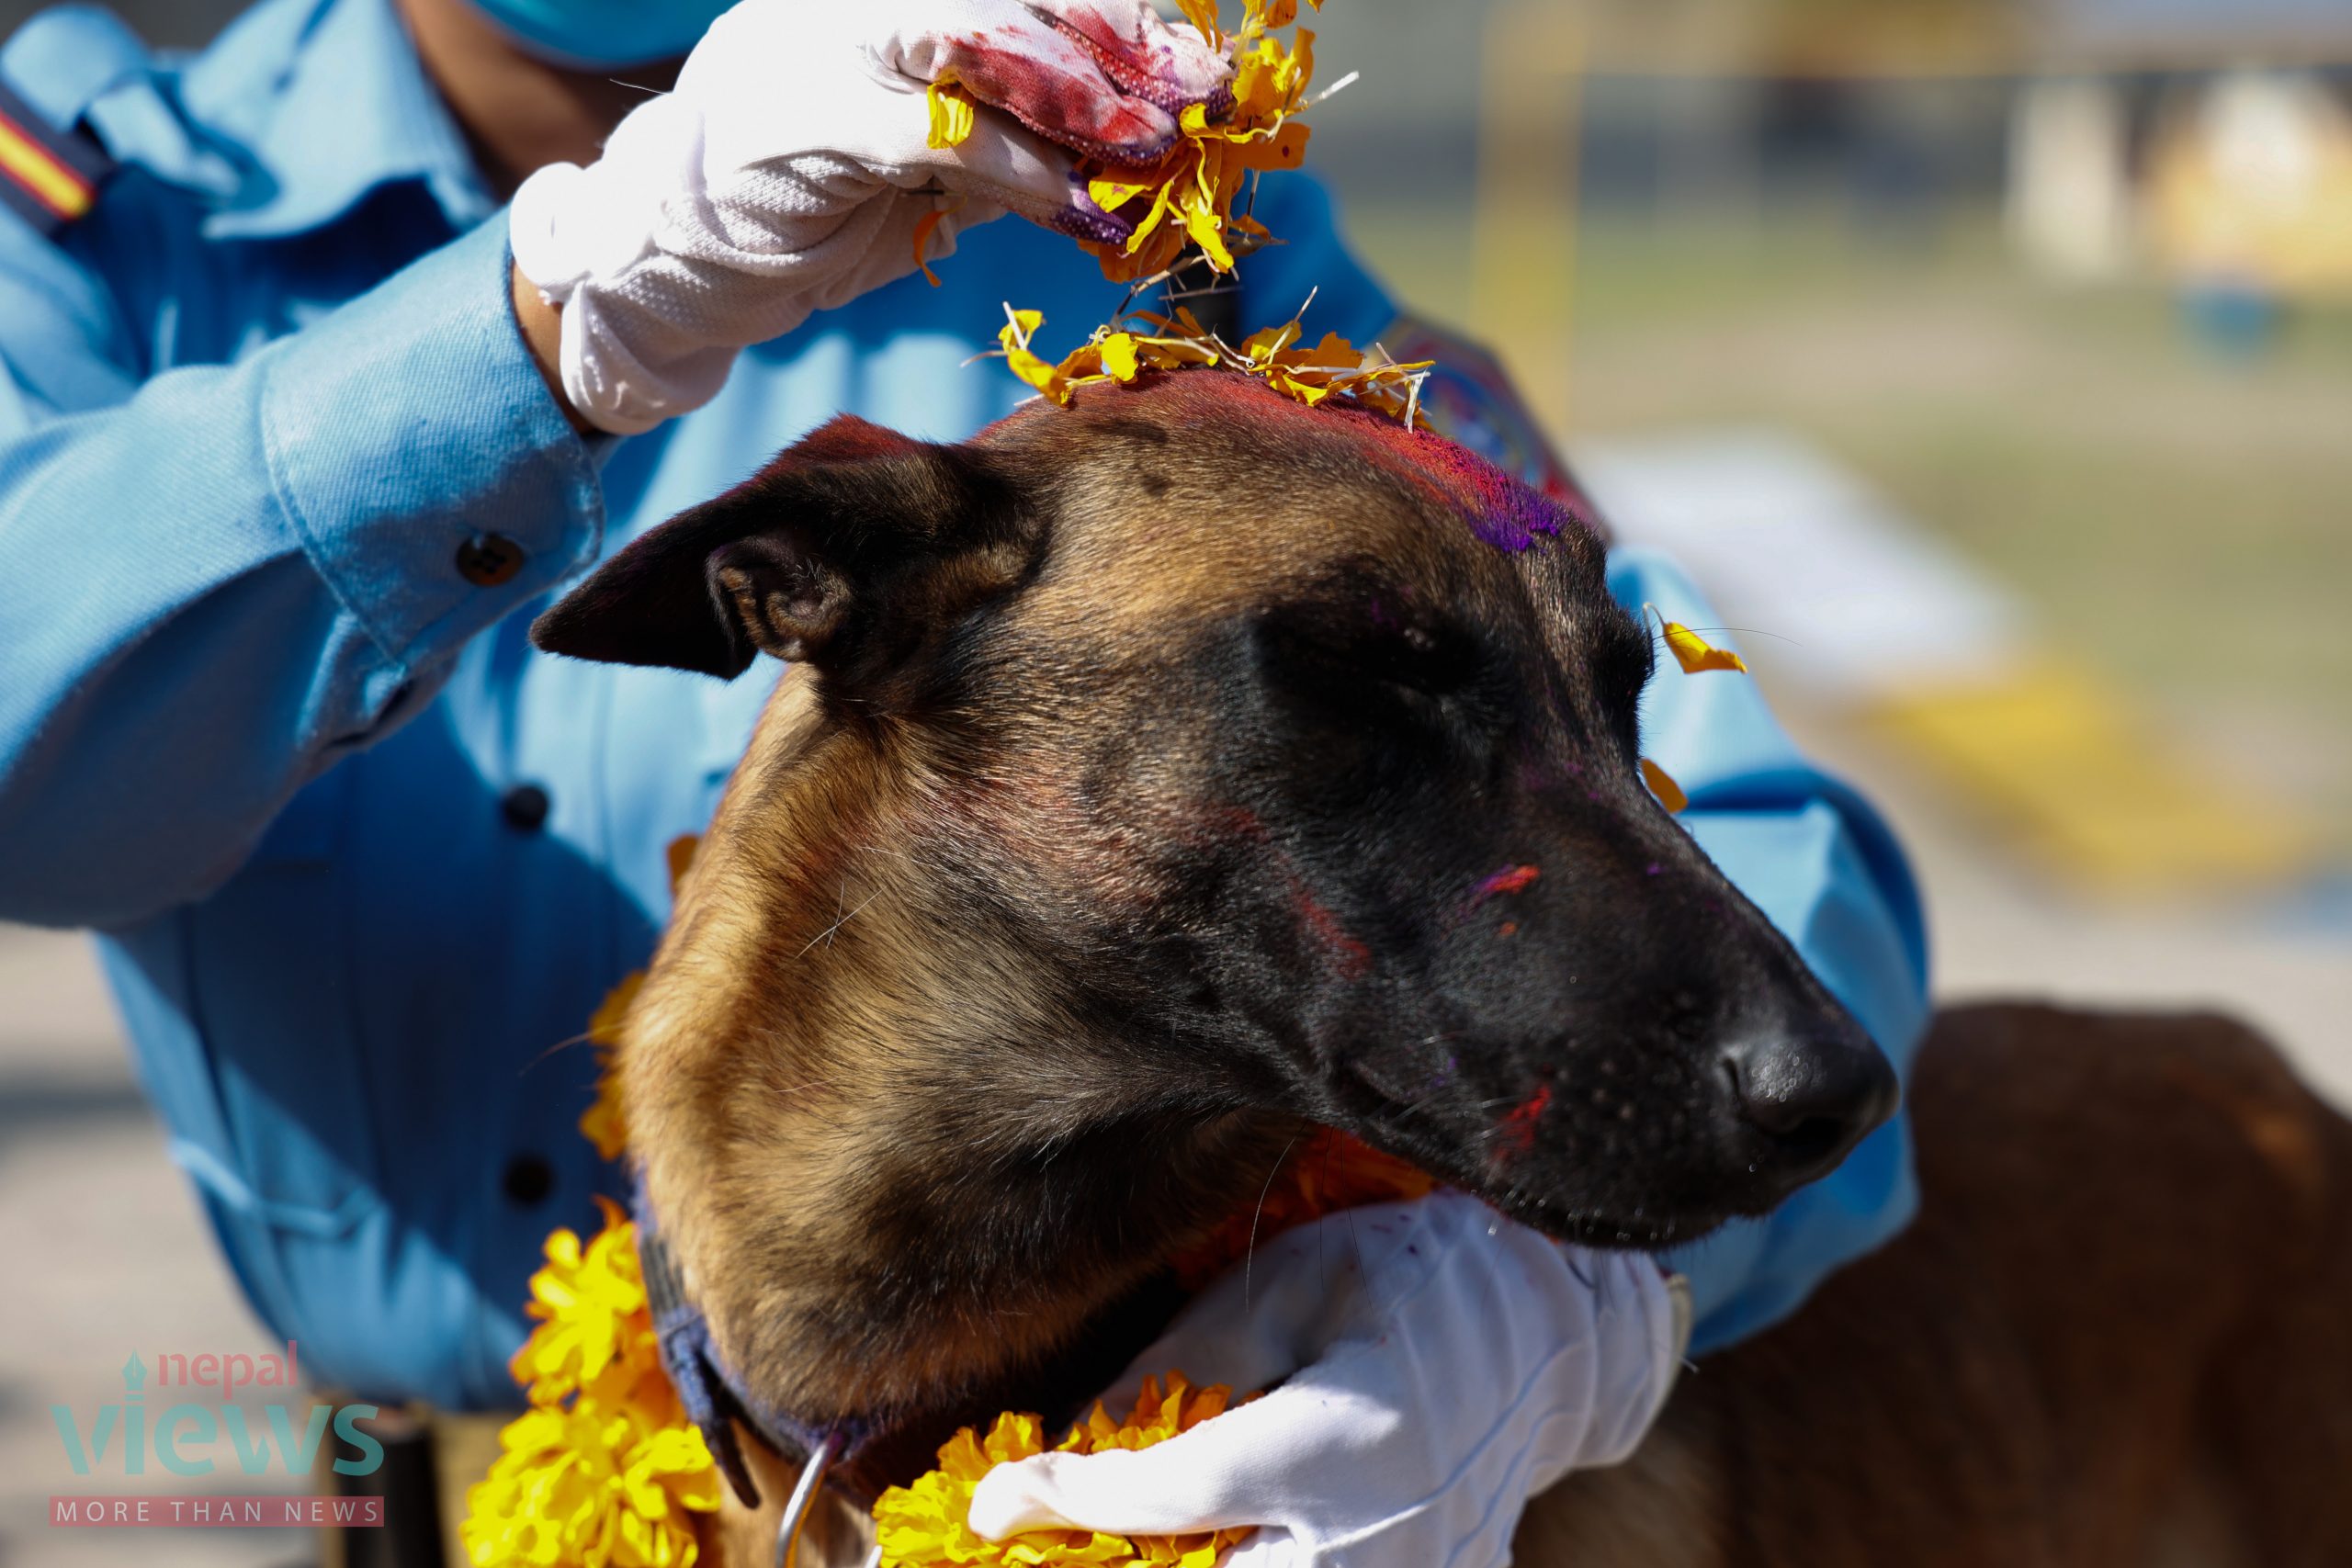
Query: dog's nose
1812, 1096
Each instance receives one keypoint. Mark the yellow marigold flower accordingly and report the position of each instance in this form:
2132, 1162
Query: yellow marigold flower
605, 1470
591, 1487
924, 1524
1188, 196
587, 1300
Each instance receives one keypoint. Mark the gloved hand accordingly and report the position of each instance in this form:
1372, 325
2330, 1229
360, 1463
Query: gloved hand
1448, 1365
789, 169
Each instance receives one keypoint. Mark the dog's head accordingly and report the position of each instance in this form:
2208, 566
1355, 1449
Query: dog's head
1155, 778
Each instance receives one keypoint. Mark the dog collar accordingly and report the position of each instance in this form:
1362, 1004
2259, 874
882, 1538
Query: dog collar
715, 1401
863, 1456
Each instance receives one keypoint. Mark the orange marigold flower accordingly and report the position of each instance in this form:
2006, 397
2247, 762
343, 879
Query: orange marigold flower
1329, 1172
1669, 794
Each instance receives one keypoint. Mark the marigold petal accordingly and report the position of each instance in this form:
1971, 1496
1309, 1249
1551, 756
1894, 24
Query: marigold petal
1669, 794
951, 113
1117, 357
925, 228
1202, 13
1695, 653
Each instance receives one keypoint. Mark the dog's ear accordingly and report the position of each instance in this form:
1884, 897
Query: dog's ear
800, 560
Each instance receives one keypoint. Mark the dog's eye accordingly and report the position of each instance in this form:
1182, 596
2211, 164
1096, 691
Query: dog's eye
1621, 666
1428, 660
1341, 654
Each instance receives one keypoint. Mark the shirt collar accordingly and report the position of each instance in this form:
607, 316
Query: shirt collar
328, 101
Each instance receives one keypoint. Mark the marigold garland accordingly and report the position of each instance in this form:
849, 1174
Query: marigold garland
923, 1526
604, 1470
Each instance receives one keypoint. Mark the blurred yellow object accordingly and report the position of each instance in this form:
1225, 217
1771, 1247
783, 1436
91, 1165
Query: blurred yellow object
2255, 186
2063, 758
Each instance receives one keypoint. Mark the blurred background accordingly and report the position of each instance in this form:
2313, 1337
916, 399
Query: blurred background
1990, 361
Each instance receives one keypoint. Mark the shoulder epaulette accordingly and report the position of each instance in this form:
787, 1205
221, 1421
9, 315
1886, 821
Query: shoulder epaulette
50, 177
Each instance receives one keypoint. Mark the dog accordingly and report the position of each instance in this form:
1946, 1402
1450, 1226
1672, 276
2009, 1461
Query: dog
1120, 821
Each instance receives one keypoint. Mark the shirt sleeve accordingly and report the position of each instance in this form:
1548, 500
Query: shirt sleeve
222, 577
1824, 868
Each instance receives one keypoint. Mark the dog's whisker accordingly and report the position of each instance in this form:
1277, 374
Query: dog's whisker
582, 1038
825, 936
1250, 1255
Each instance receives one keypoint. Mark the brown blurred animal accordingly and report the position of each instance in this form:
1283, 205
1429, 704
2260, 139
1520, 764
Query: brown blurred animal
1123, 816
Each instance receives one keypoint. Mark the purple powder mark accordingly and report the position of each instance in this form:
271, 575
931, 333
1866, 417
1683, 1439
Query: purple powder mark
1503, 512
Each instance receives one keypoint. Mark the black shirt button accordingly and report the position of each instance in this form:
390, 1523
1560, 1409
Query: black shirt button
525, 808
488, 560
528, 1180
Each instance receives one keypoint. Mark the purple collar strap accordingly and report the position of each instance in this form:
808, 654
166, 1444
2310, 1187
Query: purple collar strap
863, 1456
713, 1400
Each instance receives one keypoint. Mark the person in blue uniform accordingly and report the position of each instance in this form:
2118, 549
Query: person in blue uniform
298, 425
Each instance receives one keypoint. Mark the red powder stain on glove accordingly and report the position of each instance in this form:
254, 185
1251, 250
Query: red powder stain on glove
1063, 95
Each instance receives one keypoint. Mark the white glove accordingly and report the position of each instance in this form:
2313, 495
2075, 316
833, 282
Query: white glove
789, 171
1449, 1364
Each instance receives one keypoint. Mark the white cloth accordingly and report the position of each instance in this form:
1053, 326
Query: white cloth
789, 171
1444, 1365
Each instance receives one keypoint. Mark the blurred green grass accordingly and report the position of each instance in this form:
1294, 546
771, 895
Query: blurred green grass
2181, 520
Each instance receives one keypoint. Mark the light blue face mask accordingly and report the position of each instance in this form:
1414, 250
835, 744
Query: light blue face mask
604, 33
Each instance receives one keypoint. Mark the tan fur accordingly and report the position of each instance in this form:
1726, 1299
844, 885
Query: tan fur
813, 868
810, 966
2126, 1287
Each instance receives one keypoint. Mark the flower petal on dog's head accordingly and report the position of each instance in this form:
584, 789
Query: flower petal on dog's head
1695, 653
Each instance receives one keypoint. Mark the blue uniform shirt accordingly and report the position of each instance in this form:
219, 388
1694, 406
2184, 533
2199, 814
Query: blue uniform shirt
261, 731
